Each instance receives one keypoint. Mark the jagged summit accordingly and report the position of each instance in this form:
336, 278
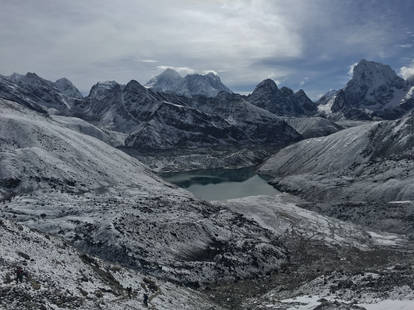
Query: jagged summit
267, 84
67, 88
283, 101
170, 81
374, 89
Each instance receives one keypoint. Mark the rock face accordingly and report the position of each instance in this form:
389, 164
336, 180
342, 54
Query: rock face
375, 90
372, 162
282, 102
38, 93
171, 81
374, 86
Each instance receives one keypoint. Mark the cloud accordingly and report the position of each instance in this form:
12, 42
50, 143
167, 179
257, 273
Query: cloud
244, 41
304, 81
183, 70
351, 69
407, 71
149, 60
209, 71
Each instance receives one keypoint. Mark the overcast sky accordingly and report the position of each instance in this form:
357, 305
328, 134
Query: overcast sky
307, 44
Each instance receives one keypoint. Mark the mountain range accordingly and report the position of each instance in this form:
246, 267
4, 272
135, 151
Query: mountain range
92, 225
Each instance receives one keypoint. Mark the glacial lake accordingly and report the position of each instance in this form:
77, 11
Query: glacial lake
221, 184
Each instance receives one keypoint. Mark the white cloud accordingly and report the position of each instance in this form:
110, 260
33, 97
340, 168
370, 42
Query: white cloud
209, 71
407, 71
182, 70
245, 41
304, 81
351, 69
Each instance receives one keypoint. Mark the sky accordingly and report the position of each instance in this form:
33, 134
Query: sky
298, 43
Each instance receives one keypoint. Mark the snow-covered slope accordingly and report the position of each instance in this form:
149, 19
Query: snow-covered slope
38, 151
56, 98
109, 204
311, 127
371, 162
282, 102
170, 81
281, 214
113, 138
57, 276
104, 203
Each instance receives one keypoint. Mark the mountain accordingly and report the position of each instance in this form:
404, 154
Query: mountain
225, 120
34, 91
192, 84
108, 204
144, 121
86, 221
67, 88
371, 162
374, 90
155, 121
326, 101
282, 102
167, 81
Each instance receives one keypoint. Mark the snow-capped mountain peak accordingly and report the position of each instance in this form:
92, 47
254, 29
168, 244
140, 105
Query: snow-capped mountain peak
67, 88
168, 79
171, 81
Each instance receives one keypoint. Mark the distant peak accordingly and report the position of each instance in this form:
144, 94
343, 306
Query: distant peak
32, 75
106, 84
300, 92
268, 83
15, 76
63, 80
170, 72
134, 85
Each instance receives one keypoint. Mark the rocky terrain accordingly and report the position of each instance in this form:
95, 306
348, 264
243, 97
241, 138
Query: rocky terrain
58, 276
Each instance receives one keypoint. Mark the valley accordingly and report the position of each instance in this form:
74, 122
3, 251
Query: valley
200, 198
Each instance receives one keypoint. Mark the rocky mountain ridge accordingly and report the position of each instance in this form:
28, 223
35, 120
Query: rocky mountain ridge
282, 102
